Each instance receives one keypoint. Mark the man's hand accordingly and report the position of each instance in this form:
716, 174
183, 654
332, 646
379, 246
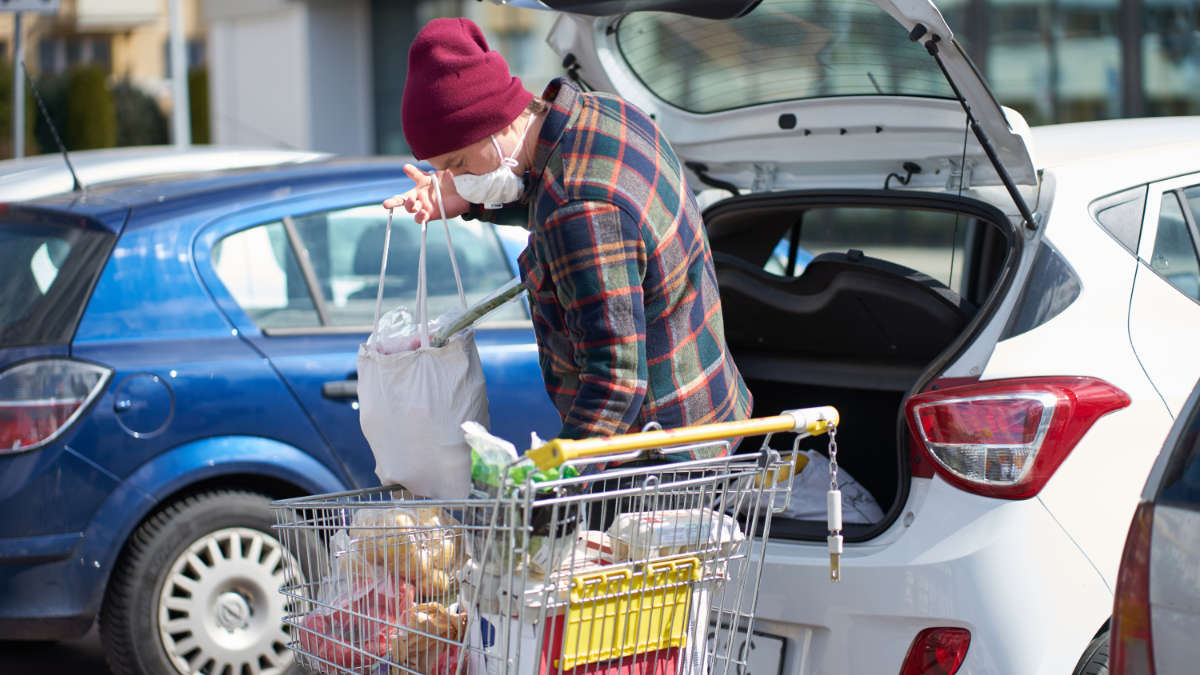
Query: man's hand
421, 201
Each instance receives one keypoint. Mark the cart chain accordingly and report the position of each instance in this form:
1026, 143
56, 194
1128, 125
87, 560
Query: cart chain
833, 505
833, 450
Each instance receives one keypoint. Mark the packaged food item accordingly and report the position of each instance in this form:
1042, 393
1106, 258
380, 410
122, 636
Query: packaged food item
490, 456
654, 534
430, 638
590, 548
419, 544
355, 622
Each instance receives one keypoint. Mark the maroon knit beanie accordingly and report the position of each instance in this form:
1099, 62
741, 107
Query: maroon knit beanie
458, 91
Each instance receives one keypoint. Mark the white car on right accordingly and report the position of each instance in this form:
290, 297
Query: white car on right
1006, 317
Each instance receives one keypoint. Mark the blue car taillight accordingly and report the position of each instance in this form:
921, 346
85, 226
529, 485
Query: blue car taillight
39, 400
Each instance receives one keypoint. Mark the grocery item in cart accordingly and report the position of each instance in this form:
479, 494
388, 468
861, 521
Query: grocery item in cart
589, 549
354, 622
809, 487
429, 642
654, 534
418, 544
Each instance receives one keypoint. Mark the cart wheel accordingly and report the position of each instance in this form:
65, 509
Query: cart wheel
197, 590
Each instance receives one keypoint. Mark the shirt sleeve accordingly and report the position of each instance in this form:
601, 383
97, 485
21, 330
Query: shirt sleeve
596, 259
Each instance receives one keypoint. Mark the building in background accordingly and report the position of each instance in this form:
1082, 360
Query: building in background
329, 74
1079, 60
126, 38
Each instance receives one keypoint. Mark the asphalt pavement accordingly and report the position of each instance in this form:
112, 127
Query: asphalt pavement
84, 656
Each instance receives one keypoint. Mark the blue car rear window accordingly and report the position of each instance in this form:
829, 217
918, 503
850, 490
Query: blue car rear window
47, 271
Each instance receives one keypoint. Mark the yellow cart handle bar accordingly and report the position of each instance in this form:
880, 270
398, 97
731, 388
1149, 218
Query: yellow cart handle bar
806, 421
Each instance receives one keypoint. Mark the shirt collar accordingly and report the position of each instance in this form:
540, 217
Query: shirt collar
563, 98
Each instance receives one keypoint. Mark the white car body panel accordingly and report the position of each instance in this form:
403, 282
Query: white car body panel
955, 565
1163, 322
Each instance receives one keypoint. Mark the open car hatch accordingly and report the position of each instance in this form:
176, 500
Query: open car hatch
784, 94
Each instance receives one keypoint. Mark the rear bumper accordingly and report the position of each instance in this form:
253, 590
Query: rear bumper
1005, 570
54, 628
47, 600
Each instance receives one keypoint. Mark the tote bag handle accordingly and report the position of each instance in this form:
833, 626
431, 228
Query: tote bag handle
422, 286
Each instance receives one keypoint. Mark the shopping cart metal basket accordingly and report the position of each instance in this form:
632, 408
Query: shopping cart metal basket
636, 564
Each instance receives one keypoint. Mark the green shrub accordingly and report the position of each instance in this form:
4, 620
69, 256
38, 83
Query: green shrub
91, 115
53, 89
198, 105
139, 119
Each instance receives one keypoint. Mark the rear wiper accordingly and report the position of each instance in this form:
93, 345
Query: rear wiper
931, 46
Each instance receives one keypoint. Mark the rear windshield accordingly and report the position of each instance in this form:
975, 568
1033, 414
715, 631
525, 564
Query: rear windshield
783, 50
47, 271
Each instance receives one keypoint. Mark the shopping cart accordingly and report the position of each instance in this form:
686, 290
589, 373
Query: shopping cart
626, 562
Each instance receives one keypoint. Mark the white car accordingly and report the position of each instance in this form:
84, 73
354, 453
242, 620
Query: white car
1004, 316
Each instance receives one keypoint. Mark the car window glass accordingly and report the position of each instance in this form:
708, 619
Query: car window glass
1121, 215
931, 242
1174, 257
783, 50
1192, 195
262, 274
38, 305
1181, 480
344, 249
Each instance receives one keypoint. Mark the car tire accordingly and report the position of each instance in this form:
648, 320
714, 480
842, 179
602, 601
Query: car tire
1095, 658
197, 588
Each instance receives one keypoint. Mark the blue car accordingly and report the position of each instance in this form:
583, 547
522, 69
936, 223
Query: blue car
175, 353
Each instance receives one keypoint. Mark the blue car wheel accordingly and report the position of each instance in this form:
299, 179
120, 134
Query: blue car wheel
197, 591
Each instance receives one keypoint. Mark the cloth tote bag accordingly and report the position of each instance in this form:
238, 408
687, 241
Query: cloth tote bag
412, 403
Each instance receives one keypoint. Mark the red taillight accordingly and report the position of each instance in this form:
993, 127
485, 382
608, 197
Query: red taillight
937, 651
40, 399
1130, 649
1005, 438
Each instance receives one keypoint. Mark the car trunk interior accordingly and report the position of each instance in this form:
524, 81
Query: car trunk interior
847, 298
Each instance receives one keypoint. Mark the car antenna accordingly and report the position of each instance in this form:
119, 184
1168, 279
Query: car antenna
78, 187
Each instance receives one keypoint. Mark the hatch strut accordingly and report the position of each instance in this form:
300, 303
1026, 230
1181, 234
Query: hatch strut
931, 46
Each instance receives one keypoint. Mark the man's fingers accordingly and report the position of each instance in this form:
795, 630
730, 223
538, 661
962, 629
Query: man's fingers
415, 174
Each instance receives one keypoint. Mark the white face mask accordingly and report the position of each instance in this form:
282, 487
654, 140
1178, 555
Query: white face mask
496, 187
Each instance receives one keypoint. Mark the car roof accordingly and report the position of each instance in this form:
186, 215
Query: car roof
41, 175
202, 188
1174, 142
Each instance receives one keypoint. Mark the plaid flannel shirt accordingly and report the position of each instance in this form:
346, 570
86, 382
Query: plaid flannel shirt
624, 296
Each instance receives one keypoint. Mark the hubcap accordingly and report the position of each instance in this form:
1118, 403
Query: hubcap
220, 611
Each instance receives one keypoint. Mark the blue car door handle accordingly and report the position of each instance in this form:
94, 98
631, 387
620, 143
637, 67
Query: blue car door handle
340, 389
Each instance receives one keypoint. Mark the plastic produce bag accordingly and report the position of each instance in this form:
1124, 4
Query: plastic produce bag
411, 403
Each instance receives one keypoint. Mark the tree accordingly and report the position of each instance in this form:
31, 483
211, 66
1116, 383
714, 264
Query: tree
198, 105
91, 114
139, 119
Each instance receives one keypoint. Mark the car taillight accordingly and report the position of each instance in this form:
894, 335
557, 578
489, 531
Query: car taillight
936, 651
1005, 438
1130, 648
39, 400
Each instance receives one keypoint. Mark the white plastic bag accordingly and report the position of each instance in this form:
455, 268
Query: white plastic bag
809, 488
412, 403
